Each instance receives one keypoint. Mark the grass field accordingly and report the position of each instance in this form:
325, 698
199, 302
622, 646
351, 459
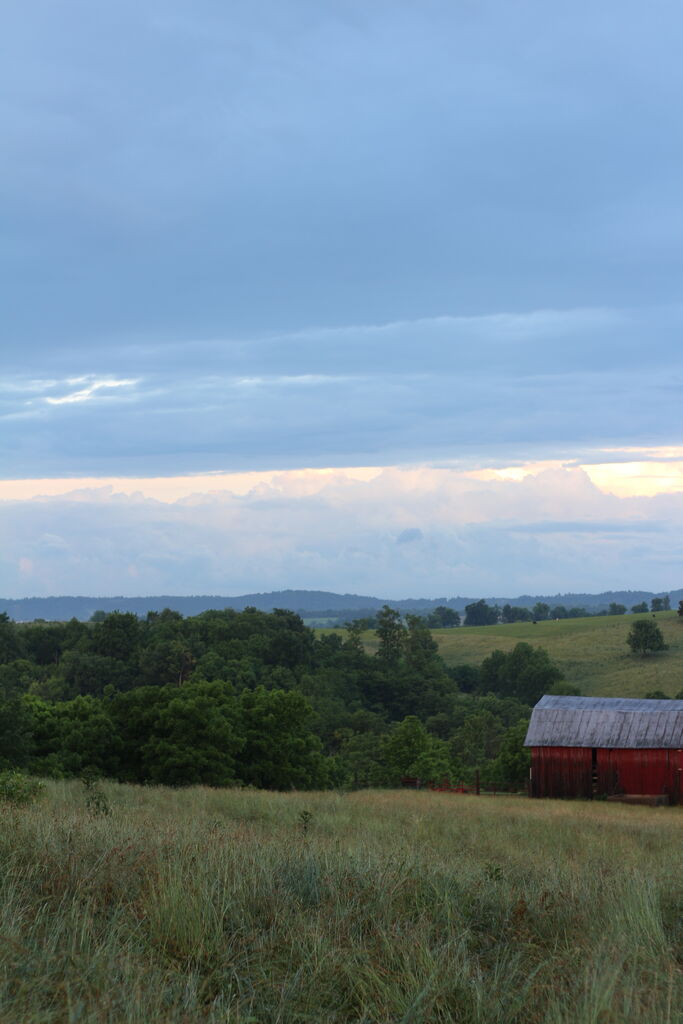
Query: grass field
378, 908
592, 652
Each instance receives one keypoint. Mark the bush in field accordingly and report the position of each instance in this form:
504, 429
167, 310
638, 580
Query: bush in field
18, 789
645, 637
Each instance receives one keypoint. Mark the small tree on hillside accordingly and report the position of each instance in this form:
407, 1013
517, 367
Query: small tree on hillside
479, 613
645, 637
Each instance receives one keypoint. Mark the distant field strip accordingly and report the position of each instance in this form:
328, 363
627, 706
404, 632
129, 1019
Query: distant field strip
592, 652
201, 905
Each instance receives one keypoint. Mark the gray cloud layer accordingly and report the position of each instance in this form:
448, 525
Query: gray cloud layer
468, 388
237, 173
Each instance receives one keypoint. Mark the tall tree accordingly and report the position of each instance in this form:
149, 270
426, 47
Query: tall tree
479, 613
391, 634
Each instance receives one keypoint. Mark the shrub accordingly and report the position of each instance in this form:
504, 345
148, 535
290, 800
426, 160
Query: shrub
18, 789
645, 636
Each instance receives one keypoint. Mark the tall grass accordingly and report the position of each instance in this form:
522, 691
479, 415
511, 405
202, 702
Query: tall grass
204, 905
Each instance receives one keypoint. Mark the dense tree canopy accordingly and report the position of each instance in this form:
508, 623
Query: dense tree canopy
255, 698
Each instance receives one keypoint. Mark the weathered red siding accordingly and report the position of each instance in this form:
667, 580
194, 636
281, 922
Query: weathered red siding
576, 772
652, 772
561, 771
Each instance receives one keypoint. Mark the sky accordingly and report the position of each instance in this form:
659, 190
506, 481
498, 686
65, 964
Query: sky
376, 298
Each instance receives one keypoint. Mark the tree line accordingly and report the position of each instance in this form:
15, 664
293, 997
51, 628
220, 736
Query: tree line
260, 699
479, 613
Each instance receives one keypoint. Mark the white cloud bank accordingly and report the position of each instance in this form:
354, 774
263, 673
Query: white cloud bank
400, 532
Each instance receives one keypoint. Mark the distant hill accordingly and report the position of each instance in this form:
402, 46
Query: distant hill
310, 604
592, 652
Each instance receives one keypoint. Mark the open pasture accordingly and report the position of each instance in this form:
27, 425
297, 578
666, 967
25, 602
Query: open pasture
377, 907
591, 651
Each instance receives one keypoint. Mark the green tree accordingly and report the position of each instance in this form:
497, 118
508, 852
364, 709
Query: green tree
195, 738
637, 609
82, 672
525, 673
16, 677
281, 750
443, 617
84, 736
410, 751
16, 732
617, 609
390, 633
42, 642
510, 768
166, 662
116, 636
361, 759
479, 613
512, 613
478, 738
10, 649
645, 637
541, 610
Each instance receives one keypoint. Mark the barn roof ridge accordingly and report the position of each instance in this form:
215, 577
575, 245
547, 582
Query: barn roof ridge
642, 704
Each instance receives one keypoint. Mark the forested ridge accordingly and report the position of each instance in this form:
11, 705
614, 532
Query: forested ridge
256, 698
310, 604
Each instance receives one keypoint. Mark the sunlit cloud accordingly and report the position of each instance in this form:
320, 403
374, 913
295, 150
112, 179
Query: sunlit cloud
392, 531
655, 471
91, 390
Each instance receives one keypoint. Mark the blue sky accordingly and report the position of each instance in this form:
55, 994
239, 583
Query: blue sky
283, 236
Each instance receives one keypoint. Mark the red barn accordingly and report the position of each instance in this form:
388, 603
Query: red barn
606, 746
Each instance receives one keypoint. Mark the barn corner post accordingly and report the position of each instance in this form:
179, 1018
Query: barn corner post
606, 747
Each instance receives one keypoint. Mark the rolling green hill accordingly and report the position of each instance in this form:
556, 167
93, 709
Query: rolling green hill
592, 652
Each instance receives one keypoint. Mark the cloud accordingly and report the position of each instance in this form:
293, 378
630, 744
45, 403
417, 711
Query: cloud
276, 165
89, 391
329, 234
515, 386
409, 536
548, 532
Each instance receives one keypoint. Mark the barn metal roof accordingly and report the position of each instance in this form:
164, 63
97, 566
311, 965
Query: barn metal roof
605, 722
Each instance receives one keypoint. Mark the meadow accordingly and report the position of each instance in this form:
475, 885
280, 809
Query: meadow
159, 906
592, 652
